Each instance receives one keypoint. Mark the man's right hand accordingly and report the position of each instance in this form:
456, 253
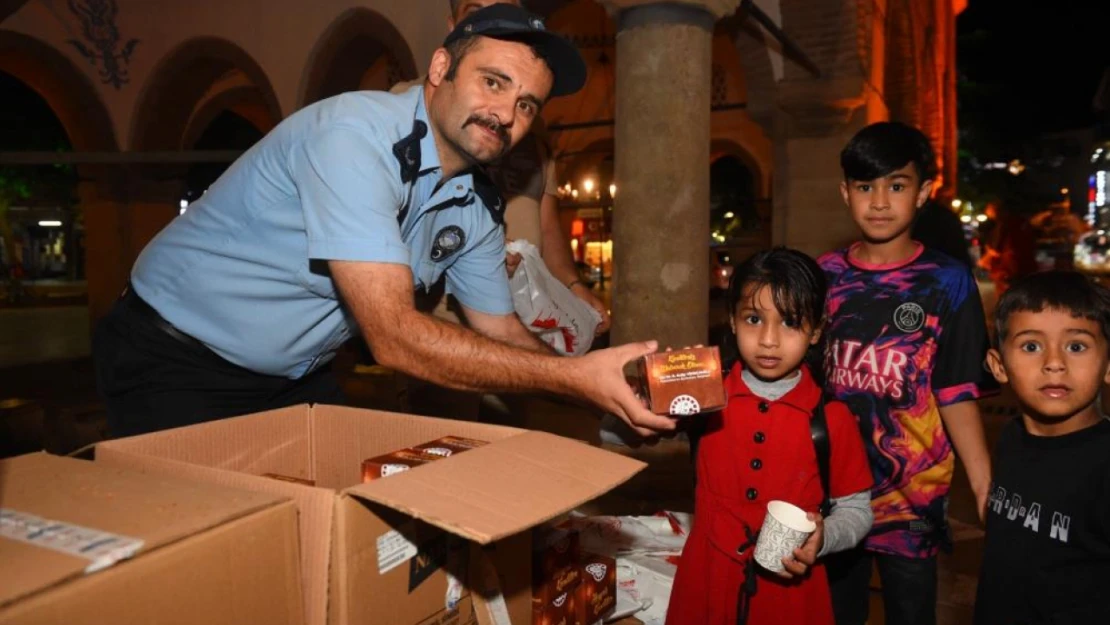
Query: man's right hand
602, 381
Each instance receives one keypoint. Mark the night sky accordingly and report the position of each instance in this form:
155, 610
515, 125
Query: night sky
1031, 67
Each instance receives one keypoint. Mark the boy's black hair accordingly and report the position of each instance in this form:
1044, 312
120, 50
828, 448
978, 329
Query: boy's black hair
885, 147
1069, 291
797, 284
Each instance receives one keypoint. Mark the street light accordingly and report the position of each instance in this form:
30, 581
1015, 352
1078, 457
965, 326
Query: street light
957, 203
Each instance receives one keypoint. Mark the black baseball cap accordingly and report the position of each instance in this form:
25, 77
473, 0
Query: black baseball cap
512, 23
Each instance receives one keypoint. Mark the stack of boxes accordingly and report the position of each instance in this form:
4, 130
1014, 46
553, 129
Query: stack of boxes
405, 459
570, 586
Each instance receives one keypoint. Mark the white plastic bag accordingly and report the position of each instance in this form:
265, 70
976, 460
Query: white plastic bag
547, 307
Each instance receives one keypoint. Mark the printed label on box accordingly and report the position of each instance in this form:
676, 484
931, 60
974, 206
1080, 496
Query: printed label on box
393, 551
101, 548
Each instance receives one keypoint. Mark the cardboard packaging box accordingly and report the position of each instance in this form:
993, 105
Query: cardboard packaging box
84, 543
393, 551
683, 382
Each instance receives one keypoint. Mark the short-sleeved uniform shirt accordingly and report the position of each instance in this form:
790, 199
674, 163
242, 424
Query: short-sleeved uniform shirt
355, 177
904, 340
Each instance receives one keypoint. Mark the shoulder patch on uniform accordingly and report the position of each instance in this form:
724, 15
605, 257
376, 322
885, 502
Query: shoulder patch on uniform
490, 196
407, 151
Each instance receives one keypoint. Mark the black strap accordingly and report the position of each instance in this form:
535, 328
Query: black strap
751, 578
819, 432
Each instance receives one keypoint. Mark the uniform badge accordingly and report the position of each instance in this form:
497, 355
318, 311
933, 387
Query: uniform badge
909, 317
447, 241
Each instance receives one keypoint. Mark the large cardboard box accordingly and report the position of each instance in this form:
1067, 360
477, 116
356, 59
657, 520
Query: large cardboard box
388, 552
83, 543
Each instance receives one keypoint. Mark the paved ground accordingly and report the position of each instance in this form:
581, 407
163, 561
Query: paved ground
48, 400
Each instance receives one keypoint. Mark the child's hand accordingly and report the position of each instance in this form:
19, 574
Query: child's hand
804, 556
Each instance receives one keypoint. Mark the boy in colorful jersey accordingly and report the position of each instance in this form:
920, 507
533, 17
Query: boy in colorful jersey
906, 346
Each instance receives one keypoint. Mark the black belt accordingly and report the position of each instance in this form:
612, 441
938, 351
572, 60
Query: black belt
136, 304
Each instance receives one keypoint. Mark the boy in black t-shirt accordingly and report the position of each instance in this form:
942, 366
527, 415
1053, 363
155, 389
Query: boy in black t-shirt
1047, 555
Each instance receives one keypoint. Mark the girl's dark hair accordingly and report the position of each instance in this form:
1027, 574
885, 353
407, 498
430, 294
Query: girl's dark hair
797, 284
1069, 291
885, 147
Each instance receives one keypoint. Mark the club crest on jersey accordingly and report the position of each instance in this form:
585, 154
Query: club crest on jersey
447, 241
909, 317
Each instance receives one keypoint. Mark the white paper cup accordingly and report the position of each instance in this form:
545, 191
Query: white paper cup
785, 528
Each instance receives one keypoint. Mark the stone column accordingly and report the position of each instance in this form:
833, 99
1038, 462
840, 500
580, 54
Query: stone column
661, 212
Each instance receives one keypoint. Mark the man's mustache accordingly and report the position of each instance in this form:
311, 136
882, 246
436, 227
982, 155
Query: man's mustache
500, 130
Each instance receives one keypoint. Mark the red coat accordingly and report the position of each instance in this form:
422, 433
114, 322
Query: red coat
755, 451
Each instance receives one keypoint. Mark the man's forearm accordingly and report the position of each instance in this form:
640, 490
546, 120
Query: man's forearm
452, 356
965, 429
519, 336
379, 296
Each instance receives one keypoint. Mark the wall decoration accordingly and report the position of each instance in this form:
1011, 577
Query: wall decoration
98, 27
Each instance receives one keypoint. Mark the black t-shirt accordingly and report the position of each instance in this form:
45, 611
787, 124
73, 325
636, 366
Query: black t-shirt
1047, 555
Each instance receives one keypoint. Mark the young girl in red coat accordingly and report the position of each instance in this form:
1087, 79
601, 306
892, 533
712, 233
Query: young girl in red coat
759, 449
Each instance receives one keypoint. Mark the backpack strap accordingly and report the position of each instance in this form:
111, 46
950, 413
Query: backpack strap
819, 432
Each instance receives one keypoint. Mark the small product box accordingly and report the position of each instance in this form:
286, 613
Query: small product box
449, 445
394, 463
597, 592
683, 382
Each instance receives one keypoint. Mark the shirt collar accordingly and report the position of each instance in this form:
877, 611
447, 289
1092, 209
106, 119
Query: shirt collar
471, 179
803, 397
429, 156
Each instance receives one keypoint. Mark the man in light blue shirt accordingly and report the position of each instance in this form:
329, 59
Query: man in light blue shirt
324, 228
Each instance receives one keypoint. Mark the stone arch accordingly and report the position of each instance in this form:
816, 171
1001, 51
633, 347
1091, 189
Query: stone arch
244, 101
182, 85
576, 165
721, 148
738, 185
587, 24
66, 89
755, 50
361, 49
